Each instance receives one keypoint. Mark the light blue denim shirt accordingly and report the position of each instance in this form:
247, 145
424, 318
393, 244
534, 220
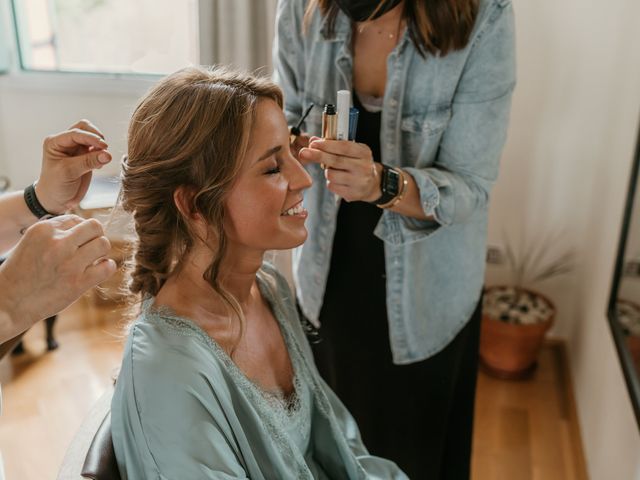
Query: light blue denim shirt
444, 121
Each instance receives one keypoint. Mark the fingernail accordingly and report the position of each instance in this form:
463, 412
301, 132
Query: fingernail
304, 152
104, 157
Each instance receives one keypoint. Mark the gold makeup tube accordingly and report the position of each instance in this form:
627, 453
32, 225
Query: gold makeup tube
329, 122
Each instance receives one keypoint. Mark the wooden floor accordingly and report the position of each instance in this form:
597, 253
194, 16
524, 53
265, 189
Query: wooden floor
524, 430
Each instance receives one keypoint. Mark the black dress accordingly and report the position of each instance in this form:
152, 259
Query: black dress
418, 415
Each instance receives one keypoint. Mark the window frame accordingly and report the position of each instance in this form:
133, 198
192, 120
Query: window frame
15, 76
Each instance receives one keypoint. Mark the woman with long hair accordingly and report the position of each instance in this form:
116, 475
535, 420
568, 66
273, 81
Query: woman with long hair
217, 379
393, 273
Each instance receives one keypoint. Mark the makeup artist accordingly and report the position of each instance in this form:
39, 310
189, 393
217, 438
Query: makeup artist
393, 273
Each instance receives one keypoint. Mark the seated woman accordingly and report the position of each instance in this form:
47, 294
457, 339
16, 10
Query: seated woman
217, 379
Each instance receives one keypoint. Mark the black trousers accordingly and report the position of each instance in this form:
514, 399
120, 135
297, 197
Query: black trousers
418, 415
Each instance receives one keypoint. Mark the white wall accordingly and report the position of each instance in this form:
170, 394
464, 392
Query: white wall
566, 166
28, 114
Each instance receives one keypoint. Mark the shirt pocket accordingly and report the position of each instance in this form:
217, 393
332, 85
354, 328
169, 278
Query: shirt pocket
421, 133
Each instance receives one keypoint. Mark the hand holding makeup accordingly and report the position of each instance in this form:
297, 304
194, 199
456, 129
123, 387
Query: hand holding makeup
350, 170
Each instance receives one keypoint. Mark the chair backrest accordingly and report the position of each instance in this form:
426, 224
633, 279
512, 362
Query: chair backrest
100, 462
84, 439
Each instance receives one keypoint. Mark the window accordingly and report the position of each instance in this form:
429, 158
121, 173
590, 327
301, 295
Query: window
107, 36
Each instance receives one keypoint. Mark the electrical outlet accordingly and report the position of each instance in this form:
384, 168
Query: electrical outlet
495, 256
632, 268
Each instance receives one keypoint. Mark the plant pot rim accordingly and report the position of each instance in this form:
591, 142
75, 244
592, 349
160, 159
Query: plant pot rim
549, 321
528, 290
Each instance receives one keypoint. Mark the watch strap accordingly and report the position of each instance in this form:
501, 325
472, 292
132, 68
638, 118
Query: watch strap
34, 204
386, 196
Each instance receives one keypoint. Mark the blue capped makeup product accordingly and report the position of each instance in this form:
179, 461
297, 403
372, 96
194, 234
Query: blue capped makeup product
353, 122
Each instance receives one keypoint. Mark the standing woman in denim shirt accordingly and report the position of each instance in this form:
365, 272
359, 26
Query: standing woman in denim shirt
392, 274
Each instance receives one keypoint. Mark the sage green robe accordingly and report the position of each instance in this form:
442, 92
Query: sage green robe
183, 410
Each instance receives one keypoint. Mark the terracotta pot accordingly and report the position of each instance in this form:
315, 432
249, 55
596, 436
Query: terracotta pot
509, 350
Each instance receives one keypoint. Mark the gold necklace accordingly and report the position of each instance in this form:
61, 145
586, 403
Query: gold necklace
362, 27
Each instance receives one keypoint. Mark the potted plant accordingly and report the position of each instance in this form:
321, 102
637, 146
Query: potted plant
516, 317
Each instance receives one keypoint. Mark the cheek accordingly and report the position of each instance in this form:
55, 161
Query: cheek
254, 208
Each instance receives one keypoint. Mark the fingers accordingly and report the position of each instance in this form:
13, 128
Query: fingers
341, 147
63, 222
75, 137
98, 273
85, 124
311, 155
78, 166
94, 250
337, 177
301, 141
86, 231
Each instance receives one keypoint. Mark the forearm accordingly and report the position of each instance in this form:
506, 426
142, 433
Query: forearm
12, 322
15, 216
8, 327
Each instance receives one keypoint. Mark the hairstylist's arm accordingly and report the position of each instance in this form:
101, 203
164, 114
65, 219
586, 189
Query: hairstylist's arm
67, 162
55, 262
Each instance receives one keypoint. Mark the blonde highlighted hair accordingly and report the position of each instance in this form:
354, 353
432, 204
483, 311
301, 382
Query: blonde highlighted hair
190, 130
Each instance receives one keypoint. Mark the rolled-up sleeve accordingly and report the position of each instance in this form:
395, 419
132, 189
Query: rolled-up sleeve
458, 184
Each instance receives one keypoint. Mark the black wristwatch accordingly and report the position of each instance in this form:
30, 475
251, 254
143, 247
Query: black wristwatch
390, 184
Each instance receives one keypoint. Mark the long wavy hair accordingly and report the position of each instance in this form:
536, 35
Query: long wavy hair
435, 26
190, 130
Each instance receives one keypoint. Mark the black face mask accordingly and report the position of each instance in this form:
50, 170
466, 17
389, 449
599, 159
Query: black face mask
361, 10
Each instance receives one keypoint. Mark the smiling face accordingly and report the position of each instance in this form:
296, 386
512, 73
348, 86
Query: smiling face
264, 208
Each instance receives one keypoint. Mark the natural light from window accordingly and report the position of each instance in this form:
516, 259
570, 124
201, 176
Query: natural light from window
107, 36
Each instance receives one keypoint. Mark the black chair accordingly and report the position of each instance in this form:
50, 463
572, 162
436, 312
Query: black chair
100, 462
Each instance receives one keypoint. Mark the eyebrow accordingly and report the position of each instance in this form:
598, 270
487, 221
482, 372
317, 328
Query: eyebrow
269, 153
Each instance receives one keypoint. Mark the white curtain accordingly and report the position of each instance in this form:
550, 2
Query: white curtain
237, 33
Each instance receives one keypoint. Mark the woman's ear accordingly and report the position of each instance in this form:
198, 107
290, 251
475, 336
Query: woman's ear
183, 200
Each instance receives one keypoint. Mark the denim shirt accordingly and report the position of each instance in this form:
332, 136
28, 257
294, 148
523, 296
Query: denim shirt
444, 122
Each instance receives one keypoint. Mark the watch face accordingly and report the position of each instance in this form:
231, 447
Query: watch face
392, 182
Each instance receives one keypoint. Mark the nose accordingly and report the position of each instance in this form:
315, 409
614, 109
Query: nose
298, 177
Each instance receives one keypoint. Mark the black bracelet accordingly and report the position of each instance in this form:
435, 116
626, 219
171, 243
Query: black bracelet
34, 204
